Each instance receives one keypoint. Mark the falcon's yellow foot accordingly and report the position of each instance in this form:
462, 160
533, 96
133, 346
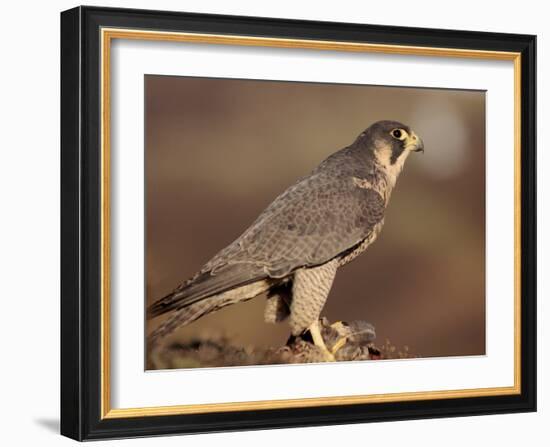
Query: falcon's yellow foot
340, 343
341, 328
355, 333
319, 342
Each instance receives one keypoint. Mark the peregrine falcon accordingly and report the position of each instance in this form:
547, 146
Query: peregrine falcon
294, 248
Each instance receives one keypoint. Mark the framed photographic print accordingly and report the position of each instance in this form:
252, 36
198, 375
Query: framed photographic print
276, 223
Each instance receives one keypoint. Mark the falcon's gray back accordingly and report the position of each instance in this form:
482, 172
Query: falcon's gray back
317, 219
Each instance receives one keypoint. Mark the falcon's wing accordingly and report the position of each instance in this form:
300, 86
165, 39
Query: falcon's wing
320, 217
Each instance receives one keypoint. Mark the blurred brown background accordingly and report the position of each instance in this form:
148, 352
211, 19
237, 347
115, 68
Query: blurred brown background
219, 151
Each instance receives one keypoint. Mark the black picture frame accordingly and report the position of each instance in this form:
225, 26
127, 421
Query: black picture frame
81, 393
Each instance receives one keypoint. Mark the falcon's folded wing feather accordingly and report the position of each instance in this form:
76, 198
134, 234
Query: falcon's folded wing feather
317, 219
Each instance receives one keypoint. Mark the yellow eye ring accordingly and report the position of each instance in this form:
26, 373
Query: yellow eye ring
398, 134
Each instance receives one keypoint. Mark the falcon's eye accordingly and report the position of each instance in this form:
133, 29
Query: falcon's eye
399, 134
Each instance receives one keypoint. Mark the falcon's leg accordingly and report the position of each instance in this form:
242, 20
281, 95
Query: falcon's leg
310, 290
278, 302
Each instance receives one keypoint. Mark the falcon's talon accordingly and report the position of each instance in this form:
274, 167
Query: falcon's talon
338, 324
330, 356
339, 344
319, 342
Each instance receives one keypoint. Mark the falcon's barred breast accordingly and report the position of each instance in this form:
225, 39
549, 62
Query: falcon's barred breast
294, 247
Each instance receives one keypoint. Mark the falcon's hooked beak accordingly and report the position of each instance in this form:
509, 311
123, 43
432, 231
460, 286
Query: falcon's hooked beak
414, 143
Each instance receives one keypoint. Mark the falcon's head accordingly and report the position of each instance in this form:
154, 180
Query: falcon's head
391, 142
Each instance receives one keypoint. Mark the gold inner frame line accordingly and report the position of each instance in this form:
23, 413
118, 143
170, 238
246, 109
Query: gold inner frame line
107, 35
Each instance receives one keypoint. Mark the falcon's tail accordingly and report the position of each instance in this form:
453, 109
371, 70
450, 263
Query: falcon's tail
205, 285
179, 318
197, 309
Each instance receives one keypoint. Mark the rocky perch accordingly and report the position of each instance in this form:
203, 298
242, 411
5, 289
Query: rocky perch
347, 342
